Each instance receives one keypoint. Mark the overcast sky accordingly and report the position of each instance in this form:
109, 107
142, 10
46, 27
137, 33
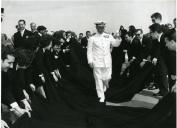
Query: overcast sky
80, 16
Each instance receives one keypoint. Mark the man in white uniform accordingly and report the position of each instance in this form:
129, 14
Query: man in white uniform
99, 57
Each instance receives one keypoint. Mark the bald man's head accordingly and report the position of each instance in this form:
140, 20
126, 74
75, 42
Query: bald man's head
33, 27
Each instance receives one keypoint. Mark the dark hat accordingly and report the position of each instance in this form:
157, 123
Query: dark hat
100, 23
41, 28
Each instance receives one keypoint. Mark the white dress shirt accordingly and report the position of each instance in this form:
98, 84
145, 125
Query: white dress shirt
22, 32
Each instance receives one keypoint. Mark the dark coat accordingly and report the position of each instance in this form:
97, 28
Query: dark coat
84, 42
12, 90
28, 41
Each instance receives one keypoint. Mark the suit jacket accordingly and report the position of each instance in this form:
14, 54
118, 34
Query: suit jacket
84, 42
55, 61
171, 62
99, 50
11, 90
39, 62
134, 49
159, 51
146, 46
27, 41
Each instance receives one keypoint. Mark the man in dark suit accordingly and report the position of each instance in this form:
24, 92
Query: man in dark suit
133, 49
39, 65
84, 40
133, 46
24, 38
170, 39
11, 95
146, 45
80, 37
158, 53
156, 18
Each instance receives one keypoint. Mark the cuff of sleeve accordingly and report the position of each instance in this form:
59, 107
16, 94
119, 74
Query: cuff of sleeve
24, 100
14, 105
52, 73
41, 75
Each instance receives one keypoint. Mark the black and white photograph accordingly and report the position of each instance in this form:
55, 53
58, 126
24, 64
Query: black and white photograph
88, 64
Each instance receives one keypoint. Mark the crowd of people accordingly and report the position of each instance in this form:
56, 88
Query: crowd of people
32, 59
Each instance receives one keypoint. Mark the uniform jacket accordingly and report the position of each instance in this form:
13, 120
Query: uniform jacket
99, 49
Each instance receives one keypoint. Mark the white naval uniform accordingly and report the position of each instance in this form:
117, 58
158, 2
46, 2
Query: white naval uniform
99, 54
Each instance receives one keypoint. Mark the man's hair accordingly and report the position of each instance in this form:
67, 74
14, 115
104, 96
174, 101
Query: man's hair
45, 40
68, 32
156, 15
132, 29
6, 50
22, 21
58, 34
40, 28
32, 23
156, 28
129, 33
139, 30
80, 33
170, 35
23, 57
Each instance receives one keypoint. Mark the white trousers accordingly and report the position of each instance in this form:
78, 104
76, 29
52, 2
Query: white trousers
102, 77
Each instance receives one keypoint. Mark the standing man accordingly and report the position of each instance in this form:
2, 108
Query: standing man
24, 38
33, 27
99, 58
159, 54
80, 37
146, 45
84, 40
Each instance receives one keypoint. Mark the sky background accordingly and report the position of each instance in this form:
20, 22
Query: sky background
80, 16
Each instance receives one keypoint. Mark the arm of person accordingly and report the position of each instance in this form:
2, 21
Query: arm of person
27, 105
4, 124
90, 51
40, 65
115, 42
